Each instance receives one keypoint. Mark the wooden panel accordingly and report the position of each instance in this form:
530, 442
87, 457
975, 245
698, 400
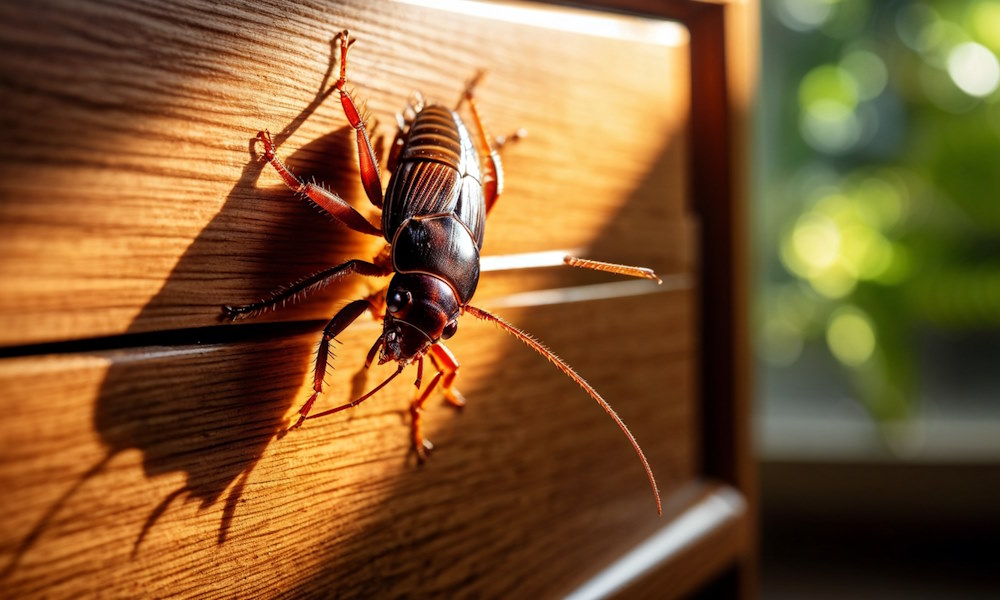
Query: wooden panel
131, 201
130, 198
161, 470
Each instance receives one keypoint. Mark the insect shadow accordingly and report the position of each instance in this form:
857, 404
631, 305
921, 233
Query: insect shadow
178, 404
204, 425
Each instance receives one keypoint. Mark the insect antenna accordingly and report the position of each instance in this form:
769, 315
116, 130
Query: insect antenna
596, 265
568, 370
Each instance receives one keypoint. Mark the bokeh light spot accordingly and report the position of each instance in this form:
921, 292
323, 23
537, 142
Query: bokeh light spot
850, 336
984, 21
816, 241
830, 127
828, 83
868, 71
911, 22
804, 15
974, 69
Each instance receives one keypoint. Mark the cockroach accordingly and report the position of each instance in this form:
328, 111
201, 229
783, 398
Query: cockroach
443, 185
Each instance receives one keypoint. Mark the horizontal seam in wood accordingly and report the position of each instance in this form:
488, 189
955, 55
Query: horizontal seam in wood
210, 335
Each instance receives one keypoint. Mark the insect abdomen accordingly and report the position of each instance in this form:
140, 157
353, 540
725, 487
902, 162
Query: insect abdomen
437, 173
434, 135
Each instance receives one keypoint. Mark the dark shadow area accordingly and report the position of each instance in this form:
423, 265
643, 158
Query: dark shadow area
209, 411
250, 393
879, 530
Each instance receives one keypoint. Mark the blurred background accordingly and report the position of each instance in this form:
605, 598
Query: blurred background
878, 304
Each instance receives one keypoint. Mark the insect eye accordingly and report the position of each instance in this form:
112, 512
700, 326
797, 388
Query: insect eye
397, 301
449, 330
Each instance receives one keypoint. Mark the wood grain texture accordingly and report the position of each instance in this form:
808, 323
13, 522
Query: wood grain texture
132, 202
160, 470
131, 199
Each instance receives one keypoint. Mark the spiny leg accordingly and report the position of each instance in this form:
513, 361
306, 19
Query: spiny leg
354, 403
370, 177
302, 287
333, 204
338, 323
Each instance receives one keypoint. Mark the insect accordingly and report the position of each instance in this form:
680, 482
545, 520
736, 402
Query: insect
443, 185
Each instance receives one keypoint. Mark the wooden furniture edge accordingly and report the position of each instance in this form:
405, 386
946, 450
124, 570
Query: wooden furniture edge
705, 535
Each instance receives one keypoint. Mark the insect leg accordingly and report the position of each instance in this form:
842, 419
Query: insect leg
325, 199
370, 177
304, 286
446, 363
493, 173
404, 119
337, 324
421, 445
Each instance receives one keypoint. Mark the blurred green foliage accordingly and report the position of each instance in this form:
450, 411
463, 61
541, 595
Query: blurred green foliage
879, 184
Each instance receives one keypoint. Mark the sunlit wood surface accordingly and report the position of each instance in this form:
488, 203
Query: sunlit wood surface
132, 202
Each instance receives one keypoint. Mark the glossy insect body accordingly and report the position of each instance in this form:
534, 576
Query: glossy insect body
434, 218
443, 185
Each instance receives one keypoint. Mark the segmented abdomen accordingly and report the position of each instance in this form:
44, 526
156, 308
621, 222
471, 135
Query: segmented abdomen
434, 135
437, 173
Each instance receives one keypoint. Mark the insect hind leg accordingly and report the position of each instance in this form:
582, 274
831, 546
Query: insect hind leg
493, 171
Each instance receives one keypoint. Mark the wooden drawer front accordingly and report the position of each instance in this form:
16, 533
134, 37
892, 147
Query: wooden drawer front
131, 201
160, 469
143, 449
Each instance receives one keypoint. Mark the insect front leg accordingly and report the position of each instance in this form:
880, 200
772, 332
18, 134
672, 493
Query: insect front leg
447, 371
446, 364
333, 204
421, 445
339, 323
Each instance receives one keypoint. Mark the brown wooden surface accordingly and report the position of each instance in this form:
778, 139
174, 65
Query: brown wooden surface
131, 203
131, 200
178, 447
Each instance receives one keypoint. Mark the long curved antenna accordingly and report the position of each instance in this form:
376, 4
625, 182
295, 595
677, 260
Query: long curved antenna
568, 370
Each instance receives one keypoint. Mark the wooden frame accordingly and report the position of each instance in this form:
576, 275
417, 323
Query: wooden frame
723, 72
